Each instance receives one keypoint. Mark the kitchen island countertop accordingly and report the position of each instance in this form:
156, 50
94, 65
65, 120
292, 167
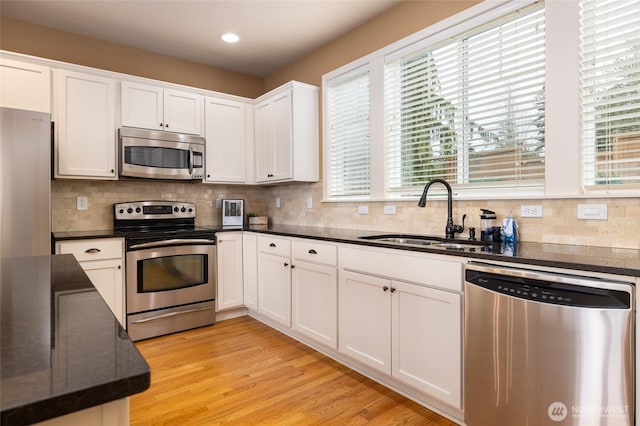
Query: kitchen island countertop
61, 350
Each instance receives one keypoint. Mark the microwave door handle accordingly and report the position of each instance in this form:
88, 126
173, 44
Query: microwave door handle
190, 160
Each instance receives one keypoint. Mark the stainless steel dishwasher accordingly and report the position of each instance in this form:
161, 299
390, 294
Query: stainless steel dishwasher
547, 349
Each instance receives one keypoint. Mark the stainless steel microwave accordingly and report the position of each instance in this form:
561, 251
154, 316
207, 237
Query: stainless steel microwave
155, 154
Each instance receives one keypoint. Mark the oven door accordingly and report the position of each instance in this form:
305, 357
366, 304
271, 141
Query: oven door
163, 277
161, 159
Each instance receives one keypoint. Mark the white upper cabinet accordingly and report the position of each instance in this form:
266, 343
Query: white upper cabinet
85, 146
286, 134
157, 108
25, 86
227, 138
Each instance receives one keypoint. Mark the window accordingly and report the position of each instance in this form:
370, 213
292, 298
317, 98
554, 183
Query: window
348, 115
610, 86
470, 109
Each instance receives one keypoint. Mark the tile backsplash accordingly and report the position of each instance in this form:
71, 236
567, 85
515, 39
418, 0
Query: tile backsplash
559, 223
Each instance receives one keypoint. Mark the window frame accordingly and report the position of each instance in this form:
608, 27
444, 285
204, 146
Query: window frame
563, 145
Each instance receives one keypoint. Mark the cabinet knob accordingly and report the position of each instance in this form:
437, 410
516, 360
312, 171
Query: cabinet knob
166, 125
112, 170
92, 250
119, 267
161, 125
312, 251
272, 245
286, 264
393, 290
293, 266
385, 288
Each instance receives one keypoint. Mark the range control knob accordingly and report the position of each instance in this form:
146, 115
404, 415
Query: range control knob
190, 209
121, 211
175, 209
129, 210
183, 210
138, 209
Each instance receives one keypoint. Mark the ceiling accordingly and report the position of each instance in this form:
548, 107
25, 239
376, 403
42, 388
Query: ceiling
272, 33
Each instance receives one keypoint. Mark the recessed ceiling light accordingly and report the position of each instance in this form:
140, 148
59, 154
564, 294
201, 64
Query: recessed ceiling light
230, 37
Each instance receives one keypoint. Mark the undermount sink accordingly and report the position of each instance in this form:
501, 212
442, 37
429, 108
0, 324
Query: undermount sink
425, 240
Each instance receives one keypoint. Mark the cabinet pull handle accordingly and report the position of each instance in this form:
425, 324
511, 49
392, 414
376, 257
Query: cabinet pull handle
393, 290
312, 251
385, 288
93, 250
272, 245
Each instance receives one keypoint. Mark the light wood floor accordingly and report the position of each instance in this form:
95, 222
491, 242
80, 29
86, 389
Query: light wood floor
242, 372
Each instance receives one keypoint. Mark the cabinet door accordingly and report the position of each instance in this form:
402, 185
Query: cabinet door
314, 295
282, 137
230, 292
427, 340
274, 287
86, 144
225, 136
106, 276
142, 106
183, 112
365, 319
250, 270
264, 141
25, 86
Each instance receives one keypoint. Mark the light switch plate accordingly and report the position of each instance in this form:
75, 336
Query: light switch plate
277, 202
82, 203
389, 209
363, 209
592, 211
309, 202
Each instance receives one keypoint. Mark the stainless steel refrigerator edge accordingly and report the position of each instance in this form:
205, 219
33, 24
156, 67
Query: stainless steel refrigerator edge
25, 182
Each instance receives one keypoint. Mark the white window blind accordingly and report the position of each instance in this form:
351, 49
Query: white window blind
348, 111
610, 87
470, 109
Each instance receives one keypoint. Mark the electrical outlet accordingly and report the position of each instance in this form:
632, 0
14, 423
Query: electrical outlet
592, 211
532, 210
363, 209
277, 202
389, 209
82, 203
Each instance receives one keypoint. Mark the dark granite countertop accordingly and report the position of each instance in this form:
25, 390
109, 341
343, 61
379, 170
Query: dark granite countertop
61, 350
610, 260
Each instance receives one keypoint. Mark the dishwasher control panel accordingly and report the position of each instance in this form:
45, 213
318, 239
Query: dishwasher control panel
549, 292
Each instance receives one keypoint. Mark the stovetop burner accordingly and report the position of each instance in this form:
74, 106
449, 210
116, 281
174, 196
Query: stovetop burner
147, 221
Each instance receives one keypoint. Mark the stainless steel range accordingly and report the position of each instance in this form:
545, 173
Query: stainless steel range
170, 267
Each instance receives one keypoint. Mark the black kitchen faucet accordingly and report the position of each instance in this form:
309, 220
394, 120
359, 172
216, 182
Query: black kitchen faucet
451, 230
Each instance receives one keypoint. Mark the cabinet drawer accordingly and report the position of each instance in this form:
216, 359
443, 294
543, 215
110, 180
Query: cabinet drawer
92, 249
313, 251
404, 266
274, 245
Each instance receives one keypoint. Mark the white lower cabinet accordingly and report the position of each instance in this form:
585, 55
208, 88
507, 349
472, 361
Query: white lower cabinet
274, 278
102, 259
250, 270
230, 292
314, 291
411, 331
426, 340
365, 319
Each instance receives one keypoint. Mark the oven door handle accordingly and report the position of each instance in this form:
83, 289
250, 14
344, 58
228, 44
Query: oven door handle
171, 242
170, 314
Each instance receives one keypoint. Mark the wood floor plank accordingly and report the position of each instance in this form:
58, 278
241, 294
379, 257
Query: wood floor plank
242, 372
